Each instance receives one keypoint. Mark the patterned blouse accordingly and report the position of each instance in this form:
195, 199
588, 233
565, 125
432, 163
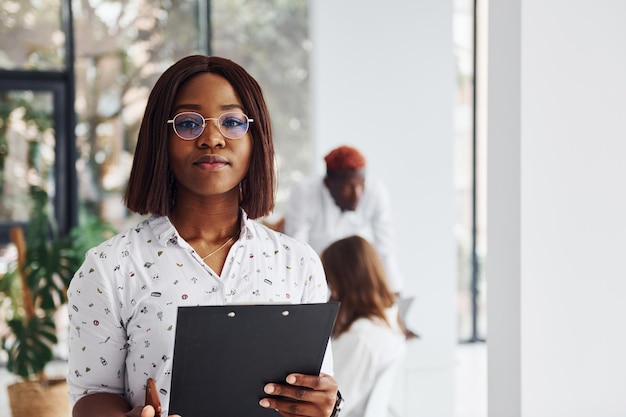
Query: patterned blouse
123, 300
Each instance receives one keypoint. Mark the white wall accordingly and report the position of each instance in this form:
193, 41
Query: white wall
383, 80
557, 208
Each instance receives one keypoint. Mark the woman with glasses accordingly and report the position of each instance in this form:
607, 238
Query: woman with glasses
203, 170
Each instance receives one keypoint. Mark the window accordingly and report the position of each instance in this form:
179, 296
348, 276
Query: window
470, 184
32, 35
35, 139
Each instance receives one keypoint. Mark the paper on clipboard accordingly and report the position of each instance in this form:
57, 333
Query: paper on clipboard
224, 355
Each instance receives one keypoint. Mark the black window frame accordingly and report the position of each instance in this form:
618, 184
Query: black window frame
61, 85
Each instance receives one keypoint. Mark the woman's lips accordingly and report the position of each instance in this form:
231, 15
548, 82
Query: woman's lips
212, 162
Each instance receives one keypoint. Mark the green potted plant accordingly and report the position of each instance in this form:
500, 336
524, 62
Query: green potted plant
34, 290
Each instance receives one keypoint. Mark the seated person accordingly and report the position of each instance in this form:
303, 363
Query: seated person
368, 336
343, 203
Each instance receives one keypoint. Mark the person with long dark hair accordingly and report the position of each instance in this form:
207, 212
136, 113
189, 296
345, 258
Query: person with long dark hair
203, 170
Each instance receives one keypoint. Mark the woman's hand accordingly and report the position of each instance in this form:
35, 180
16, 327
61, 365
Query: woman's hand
314, 396
145, 411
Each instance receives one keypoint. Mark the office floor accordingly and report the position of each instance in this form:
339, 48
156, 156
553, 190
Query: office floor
471, 381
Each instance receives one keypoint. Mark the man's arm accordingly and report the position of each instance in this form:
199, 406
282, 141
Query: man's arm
297, 222
382, 227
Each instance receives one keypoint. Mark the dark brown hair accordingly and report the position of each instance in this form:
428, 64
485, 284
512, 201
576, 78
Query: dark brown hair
151, 186
357, 279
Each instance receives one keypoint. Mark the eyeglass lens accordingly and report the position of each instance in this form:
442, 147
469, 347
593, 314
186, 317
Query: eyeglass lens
189, 125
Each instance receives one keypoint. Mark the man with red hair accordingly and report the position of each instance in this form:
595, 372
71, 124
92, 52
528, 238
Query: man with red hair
344, 202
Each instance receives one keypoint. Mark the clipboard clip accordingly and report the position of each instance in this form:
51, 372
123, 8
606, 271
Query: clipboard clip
232, 314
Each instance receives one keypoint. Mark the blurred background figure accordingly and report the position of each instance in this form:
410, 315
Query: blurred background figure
369, 341
344, 202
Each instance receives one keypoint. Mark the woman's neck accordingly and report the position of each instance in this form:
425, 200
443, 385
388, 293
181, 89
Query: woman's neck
211, 226
211, 233
211, 219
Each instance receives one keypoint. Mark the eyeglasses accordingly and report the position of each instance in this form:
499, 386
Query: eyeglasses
190, 125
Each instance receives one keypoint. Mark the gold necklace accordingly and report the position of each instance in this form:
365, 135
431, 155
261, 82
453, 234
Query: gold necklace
219, 249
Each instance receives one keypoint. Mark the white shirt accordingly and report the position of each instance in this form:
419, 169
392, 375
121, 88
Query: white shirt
313, 216
123, 300
361, 354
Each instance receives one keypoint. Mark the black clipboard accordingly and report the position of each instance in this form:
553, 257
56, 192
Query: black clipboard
224, 355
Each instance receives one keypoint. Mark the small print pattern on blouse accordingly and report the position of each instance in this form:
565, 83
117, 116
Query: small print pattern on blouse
123, 300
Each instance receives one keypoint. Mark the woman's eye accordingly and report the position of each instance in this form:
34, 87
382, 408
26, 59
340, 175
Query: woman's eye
232, 122
187, 124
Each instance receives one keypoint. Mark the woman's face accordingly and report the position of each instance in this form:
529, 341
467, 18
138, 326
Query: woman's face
210, 164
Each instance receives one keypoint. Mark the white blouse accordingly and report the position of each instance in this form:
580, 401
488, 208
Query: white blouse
361, 354
123, 300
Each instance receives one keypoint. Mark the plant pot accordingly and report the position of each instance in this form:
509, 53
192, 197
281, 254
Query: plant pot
42, 399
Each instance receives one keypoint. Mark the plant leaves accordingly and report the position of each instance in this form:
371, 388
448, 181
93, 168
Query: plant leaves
30, 348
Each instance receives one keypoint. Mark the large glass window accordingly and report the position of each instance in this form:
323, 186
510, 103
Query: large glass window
35, 116
27, 151
32, 35
34, 148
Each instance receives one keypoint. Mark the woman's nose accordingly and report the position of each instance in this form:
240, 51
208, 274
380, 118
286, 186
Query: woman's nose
211, 136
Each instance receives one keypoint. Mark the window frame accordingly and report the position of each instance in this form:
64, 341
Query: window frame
65, 197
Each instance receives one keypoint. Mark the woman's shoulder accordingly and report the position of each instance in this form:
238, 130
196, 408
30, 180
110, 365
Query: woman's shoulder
371, 336
125, 236
373, 329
